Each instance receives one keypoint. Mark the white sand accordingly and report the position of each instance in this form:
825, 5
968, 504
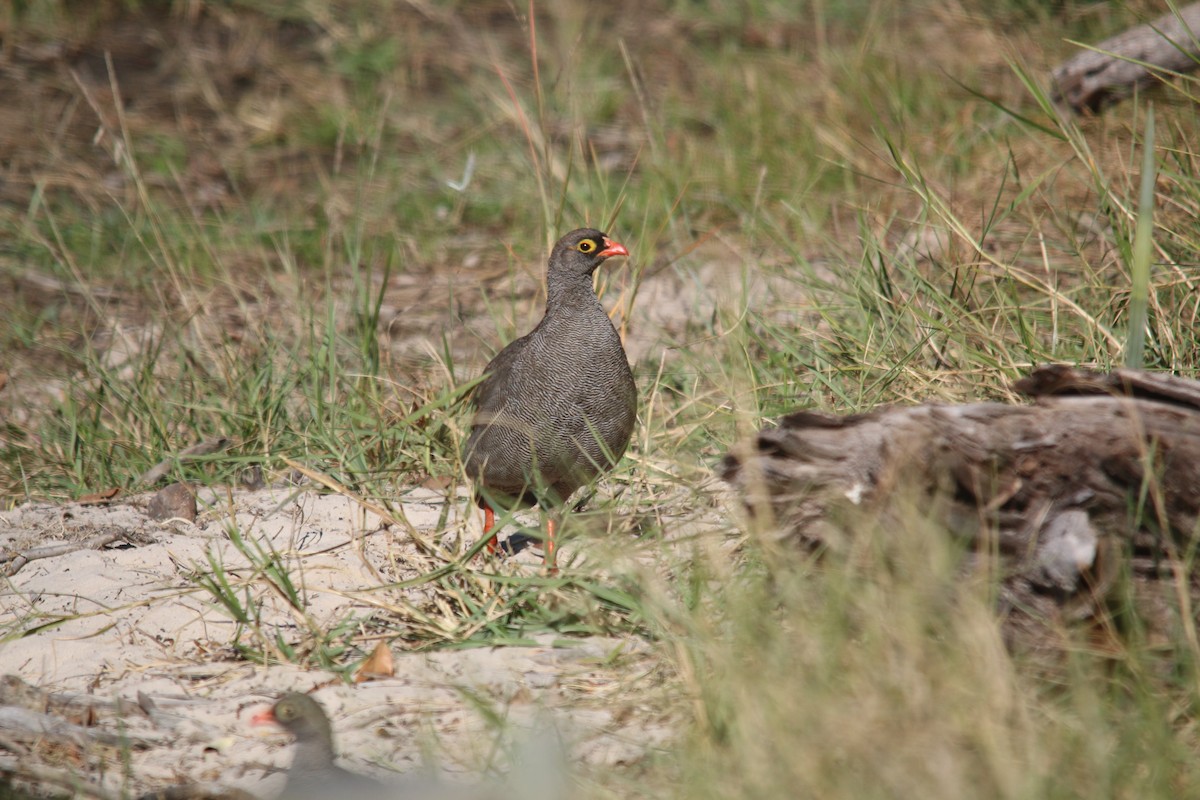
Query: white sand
135, 622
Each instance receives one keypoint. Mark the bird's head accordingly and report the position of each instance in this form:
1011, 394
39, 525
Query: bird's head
299, 715
581, 251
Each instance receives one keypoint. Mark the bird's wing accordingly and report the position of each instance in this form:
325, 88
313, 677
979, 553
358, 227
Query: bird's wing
490, 392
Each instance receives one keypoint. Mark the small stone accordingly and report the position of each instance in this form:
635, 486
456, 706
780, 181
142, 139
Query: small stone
176, 501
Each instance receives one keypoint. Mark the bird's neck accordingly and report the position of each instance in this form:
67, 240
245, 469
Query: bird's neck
569, 293
312, 754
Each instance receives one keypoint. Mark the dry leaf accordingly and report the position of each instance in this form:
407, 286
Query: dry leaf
437, 483
99, 498
379, 664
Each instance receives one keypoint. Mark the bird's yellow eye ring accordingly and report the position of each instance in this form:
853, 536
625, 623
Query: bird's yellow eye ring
586, 246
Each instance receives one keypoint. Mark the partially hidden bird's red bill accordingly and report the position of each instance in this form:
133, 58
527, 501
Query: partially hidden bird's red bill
612, 248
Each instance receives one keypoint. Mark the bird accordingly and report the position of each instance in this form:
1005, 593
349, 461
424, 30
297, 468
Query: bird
313, 774
555, 408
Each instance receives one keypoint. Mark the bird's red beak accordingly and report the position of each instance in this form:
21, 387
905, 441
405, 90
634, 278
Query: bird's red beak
265, 717
612, 248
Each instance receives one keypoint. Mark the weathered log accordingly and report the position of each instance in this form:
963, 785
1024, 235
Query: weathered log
1138, 57
1102, 470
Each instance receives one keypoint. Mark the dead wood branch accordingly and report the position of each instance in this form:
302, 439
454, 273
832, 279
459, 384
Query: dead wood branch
1101, 468
1136, 58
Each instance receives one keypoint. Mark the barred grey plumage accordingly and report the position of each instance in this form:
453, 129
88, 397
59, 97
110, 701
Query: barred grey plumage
558, 405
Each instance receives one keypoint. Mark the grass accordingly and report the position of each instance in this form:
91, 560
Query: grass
836, 206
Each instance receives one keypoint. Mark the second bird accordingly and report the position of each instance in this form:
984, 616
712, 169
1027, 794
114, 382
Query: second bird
556, 408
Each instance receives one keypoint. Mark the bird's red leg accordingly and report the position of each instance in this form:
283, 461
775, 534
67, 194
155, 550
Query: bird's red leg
489, 522
550, 552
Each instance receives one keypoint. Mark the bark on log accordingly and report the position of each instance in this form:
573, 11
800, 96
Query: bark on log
1103, 470
1138, 57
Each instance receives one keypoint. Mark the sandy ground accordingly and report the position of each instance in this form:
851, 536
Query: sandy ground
128, 623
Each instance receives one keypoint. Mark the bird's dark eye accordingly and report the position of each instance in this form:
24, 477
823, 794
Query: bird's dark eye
586, 246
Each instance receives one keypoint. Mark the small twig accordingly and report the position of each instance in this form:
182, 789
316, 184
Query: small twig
19, 560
